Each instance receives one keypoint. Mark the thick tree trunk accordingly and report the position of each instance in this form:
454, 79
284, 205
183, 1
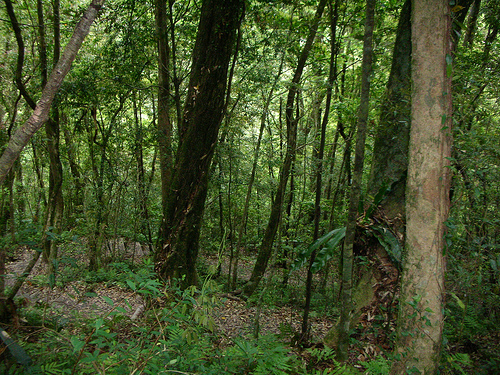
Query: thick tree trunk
427, 196
178, 249
41, 113
352, 215
390, 151
291, 122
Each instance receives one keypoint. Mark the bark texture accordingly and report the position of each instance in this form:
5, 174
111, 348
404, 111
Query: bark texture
390, 151
422, 292
178, 249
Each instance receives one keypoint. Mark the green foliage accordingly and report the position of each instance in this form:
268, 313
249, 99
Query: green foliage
324, 246
390, 243
326, 357
458, 363
377, 366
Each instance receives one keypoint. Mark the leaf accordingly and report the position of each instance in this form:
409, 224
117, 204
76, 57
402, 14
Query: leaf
321, 242
327, 252
131, 284
381, 194
98, 323
108, 300
459, 301
77, 343
15, 349
390, 243
449, 65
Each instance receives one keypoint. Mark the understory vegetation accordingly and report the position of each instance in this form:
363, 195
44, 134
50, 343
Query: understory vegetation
176, 331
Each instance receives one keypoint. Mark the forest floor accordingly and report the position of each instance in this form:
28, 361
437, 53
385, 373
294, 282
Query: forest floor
77, 299
82, 299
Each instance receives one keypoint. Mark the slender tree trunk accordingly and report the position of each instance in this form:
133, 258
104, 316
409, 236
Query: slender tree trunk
472, 24
177, 252
143, 217
347, 257
291, 122
164, 126
77, 192
422, 293
41, 113
55, 207
242, 227
319, 167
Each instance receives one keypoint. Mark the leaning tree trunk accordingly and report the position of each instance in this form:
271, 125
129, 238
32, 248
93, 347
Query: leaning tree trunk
422, 292
352, 215
291, 123
178, 248
41, 113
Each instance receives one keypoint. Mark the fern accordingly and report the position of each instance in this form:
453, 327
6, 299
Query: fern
378, 366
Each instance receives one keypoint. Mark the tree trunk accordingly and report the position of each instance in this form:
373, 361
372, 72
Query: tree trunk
390, 150
55, 207
164, 126
242, 227
352, 215
291, 124
41, 113
178, 249
427, 204
319, 167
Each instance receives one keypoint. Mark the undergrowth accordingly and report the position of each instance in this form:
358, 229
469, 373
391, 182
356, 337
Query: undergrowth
177, 334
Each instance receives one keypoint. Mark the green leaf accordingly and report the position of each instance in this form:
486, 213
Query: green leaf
449, 65
328, 251
131, 284
98, 323
77, 343
325, 243
381, 194
108, 300
15, 349
390, 243
459, 301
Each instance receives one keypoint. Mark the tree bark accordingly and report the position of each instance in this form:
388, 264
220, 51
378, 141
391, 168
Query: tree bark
41, 113
291, 124
352, 215
390, 150
422, 293
178, 249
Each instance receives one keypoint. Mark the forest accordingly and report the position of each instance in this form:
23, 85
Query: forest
249, 187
